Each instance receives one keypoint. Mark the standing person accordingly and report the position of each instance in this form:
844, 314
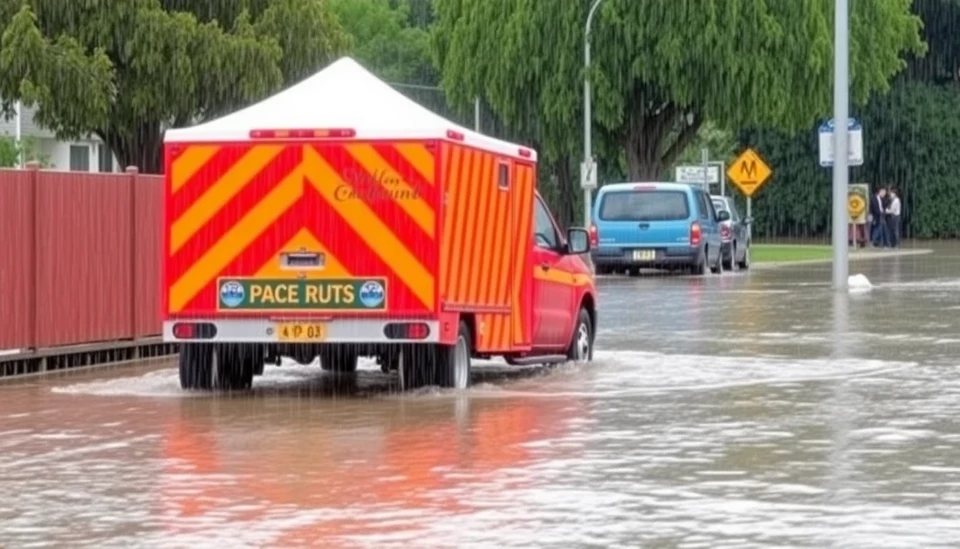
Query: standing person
878, 223
893, 219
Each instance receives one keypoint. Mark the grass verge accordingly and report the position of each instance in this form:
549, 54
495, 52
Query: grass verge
786, 253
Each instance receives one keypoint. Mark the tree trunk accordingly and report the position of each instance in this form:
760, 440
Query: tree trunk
648, 144
142, 147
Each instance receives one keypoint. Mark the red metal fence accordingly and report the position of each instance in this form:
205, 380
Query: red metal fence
80, 257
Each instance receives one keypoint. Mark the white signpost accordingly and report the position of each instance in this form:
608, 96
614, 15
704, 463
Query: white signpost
694, 174
854, 143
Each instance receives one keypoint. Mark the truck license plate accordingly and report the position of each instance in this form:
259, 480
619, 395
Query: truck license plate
301, 331
644, 255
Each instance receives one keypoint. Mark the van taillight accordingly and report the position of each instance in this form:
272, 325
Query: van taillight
695, 233
594, 236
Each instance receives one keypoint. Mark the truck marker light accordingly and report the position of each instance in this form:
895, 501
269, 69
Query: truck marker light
303, 133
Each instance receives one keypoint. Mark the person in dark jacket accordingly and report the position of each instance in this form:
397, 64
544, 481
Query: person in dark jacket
878, 219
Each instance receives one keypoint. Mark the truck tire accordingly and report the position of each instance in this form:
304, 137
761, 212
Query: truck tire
339, 359
581, 344
195, 363
233, 366
453, 361
415, 366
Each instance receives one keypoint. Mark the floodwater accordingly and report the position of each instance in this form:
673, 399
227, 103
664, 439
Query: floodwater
752, 409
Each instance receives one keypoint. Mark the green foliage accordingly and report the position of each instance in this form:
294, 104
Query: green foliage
27, 149
387, 40
662, 67
124, 70
910, 138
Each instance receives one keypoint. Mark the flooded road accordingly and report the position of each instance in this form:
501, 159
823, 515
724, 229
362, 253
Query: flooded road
745, 410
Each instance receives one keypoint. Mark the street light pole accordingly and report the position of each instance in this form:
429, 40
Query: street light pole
841, 115
587, 116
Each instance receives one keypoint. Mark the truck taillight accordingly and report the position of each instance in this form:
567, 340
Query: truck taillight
695, 233
407, 330
594, 236
303, 133
194, 330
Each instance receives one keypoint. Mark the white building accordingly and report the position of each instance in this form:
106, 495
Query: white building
85, 155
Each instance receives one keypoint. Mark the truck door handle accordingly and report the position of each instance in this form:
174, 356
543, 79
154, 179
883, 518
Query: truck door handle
545, 266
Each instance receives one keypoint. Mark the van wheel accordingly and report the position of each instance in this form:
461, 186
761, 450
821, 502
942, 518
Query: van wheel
453, 361
717, 268
195, 363
729, 263
700, 267
745, 262
581, 345
339, 359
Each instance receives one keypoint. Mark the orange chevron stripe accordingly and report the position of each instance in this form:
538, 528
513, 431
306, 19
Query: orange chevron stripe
306, 241
420, 158
256, 220
524, 239
499, 250
461, 193
188, 163
232, 182
370, 228
417, 208
471, 229
451, 164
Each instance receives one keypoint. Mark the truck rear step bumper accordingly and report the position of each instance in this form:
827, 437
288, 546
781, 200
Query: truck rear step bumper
344, 330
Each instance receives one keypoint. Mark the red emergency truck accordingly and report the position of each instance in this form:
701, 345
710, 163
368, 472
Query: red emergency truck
339, 219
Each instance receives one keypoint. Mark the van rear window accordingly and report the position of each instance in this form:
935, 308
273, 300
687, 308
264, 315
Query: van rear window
644, 206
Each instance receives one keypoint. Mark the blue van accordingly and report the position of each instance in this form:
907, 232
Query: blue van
655, 225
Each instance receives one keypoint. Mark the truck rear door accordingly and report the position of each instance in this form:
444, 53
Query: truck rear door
321, 228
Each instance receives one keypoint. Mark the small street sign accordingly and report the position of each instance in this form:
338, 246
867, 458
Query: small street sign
749, 172
854, 143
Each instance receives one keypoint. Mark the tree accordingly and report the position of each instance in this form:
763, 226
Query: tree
661, 67
387, 40
126, 69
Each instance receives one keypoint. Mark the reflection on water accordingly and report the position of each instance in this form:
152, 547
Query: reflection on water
742, 410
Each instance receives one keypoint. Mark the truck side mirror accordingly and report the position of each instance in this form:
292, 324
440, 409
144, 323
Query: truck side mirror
578, 241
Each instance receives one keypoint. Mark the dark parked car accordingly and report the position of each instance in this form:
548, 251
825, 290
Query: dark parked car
734, 234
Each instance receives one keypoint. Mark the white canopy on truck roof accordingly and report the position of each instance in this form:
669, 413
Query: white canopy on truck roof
344, 95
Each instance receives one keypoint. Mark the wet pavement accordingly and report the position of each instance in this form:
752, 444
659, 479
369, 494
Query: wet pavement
752, 409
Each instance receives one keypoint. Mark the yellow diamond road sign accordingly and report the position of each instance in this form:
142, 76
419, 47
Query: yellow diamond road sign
748, 172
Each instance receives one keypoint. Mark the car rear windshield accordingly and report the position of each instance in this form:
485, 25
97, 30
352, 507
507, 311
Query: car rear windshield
719, 205
644, 206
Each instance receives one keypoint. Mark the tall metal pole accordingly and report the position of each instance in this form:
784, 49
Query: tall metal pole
587, 116
476, 114
841, 115
18, 133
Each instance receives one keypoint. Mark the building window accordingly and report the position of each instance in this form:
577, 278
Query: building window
106, 158
79, 158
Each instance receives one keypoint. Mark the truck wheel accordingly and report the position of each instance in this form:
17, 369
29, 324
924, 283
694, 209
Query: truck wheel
195, 364
415, 367
581, 345
453, 361
339, 359
232, 367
